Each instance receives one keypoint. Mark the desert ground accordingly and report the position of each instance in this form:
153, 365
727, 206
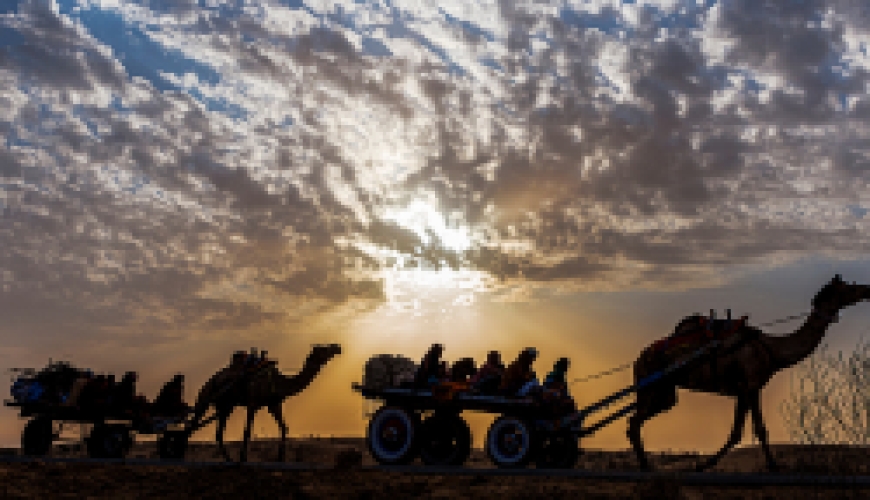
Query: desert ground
59, 480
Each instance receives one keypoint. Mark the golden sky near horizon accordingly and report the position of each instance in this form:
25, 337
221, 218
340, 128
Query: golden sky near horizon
179, 180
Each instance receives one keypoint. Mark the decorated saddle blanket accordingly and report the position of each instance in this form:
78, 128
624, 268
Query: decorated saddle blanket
694, 332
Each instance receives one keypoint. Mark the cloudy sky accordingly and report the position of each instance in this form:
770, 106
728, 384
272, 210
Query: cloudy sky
180, 179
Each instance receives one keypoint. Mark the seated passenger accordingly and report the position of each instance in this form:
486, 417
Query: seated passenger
532, 387
170, 401
556, 388
76, 389
463, 369
94, 393
124, 393
556, 379
518, 373
488, 378
430, 367
443, 372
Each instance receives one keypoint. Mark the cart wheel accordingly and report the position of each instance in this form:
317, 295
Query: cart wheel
172, 445
445, 439
509, 442
109, 441
37, 437
558, 451
392, 436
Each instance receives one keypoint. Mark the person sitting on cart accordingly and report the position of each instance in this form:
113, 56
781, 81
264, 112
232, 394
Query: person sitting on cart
556, 388
518, 373
444, 372
488, 378
93, 393
429, 372
462, 369
76, 389
124, 394
170, 401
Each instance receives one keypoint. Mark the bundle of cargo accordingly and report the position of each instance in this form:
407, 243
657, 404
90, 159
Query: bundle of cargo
50, 386
386, 370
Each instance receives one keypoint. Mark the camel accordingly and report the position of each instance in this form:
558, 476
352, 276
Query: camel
268, 387
741, 373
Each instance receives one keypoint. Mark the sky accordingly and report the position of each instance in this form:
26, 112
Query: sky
181, 179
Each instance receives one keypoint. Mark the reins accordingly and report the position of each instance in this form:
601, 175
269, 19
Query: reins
623, 367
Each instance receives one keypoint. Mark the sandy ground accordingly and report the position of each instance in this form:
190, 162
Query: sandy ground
45, 480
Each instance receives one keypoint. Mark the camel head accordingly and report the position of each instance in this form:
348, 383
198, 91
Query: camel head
837, 294
322, 353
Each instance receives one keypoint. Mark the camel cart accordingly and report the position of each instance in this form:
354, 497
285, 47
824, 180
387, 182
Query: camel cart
526, 429
113, 430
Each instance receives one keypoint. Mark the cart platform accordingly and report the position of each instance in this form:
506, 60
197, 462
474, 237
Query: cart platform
445, 399
95, 415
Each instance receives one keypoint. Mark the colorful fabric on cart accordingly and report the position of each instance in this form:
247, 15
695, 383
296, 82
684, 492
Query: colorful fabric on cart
27, 391
447, 390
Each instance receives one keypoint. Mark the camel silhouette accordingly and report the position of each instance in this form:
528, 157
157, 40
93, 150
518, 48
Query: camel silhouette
233, 386
740, 373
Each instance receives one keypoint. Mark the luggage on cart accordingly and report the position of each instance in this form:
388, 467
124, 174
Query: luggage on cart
49, 386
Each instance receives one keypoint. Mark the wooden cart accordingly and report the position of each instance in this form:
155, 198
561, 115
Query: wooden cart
525, 430
111, 437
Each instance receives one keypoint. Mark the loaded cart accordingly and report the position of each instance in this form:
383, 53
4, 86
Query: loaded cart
42, 397
527, 429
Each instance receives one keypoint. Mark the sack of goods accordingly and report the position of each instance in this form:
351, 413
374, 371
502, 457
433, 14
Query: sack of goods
385, 370
26, 391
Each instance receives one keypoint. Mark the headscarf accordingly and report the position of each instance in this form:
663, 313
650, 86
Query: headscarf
558, 375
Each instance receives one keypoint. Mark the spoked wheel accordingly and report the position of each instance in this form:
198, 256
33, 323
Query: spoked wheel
510, 443
558, 451
392, 436
445, 439
109, 441
37, 437
172, 445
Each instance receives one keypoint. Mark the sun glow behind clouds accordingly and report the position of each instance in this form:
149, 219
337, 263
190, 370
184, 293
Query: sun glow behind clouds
412, 286
423, 218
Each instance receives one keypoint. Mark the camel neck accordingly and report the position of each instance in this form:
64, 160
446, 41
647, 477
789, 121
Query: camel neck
794, 348
293, 384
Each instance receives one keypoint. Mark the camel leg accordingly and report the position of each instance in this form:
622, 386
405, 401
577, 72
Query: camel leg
761, 432
276, 412
649, 404
736, 433
251, 413
222, 424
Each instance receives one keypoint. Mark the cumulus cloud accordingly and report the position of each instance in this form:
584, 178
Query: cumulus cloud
228, 164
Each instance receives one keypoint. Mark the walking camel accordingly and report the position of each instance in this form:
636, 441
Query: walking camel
269, 388
741, 373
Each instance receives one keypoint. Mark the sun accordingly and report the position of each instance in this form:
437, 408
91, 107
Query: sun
421, 216
419, 290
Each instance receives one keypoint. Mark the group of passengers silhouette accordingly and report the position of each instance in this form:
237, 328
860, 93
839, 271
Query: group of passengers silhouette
90, 391
517, 380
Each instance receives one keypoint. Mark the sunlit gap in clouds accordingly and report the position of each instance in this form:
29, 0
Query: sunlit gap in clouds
413, 285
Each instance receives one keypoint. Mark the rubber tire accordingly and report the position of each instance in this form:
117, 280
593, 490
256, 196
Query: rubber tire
37, 437
172, 445
459, 433
410, 447
558, 451
109, 441
527, 445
